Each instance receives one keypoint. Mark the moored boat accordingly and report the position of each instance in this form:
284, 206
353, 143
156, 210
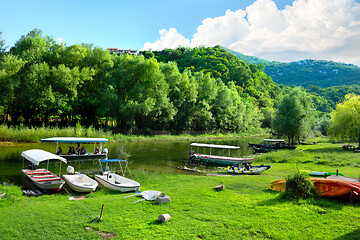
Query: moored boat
114, 181
271, 145
215, 159
79, 182
324, 174
243, 170
98, 152
42, 178
331, 188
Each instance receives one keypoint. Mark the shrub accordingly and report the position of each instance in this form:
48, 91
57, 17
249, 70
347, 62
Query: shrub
299, 186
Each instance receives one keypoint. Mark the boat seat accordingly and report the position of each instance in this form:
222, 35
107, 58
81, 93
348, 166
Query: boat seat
47, 179
38, 173
45, 176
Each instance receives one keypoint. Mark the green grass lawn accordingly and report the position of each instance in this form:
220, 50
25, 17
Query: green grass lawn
246, 209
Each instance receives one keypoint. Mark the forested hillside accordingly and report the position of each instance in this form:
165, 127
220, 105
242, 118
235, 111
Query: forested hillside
46, 83
307, 72
200, 89
250, 79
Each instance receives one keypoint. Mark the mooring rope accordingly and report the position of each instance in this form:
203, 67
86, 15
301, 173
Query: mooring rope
80, 203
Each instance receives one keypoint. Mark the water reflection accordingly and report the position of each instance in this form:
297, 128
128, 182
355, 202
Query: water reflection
160, 156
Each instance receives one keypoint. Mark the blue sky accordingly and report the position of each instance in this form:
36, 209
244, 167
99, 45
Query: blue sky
276, 30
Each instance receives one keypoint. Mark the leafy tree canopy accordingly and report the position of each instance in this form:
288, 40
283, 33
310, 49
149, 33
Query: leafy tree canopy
345, 119
294, 114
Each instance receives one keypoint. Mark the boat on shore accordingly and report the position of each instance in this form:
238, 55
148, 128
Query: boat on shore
307, 143
331, 188
247, 171
42, 178
79, 182
114, 181
215, 159
98, 152
271, 145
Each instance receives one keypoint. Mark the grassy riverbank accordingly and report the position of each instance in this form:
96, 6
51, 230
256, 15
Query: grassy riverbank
34, 134
246, 209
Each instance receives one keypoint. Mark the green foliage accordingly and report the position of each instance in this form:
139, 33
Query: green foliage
2, 47
345, 119
298, 185
10, 194
46, 83
294, 115
220, 63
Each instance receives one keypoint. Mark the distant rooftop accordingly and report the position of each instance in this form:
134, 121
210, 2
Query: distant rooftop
122, 51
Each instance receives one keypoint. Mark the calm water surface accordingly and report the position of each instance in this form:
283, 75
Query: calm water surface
160, 156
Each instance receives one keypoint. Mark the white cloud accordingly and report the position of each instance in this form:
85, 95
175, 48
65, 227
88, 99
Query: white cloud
318, 29
168, 39
59, 40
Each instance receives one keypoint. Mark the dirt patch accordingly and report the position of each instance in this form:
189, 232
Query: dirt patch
103, 235
6, 143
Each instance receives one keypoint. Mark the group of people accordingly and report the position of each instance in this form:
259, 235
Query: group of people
79, 150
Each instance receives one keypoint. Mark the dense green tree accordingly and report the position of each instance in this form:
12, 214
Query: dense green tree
9, 81
345, 119
32, 48
294, 114
219, 63
143, 94
183, 89
182, 93
2, 47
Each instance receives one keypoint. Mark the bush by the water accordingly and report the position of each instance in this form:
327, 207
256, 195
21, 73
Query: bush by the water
299, 186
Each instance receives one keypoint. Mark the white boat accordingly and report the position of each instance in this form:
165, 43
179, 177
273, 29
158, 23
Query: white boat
79, 182
114, 181
243, 170
42, 178
214, 159
97, 153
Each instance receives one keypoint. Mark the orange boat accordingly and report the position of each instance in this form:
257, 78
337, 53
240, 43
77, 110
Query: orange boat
326, 187
278, 185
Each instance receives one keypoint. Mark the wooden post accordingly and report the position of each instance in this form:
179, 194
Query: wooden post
102, 208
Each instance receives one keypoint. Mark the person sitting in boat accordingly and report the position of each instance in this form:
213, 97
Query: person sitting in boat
97, 150
82, 151
70, 151
59, 151
78, 149
247, 167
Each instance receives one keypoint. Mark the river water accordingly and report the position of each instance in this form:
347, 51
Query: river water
159, 156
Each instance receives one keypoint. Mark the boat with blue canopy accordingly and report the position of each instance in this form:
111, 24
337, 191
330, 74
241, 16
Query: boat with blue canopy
98, 152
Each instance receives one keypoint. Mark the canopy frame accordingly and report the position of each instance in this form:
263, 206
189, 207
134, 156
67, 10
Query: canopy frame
78, 140
36, 156
122, 169
214, 146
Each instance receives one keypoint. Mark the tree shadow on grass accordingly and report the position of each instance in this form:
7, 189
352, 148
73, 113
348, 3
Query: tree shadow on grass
352, 235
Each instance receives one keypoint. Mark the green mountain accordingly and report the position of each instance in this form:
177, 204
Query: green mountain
307, 72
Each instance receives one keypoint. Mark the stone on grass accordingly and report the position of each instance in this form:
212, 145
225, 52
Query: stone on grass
162, 199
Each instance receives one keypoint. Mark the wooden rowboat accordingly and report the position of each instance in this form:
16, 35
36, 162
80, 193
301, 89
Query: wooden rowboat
42, 178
